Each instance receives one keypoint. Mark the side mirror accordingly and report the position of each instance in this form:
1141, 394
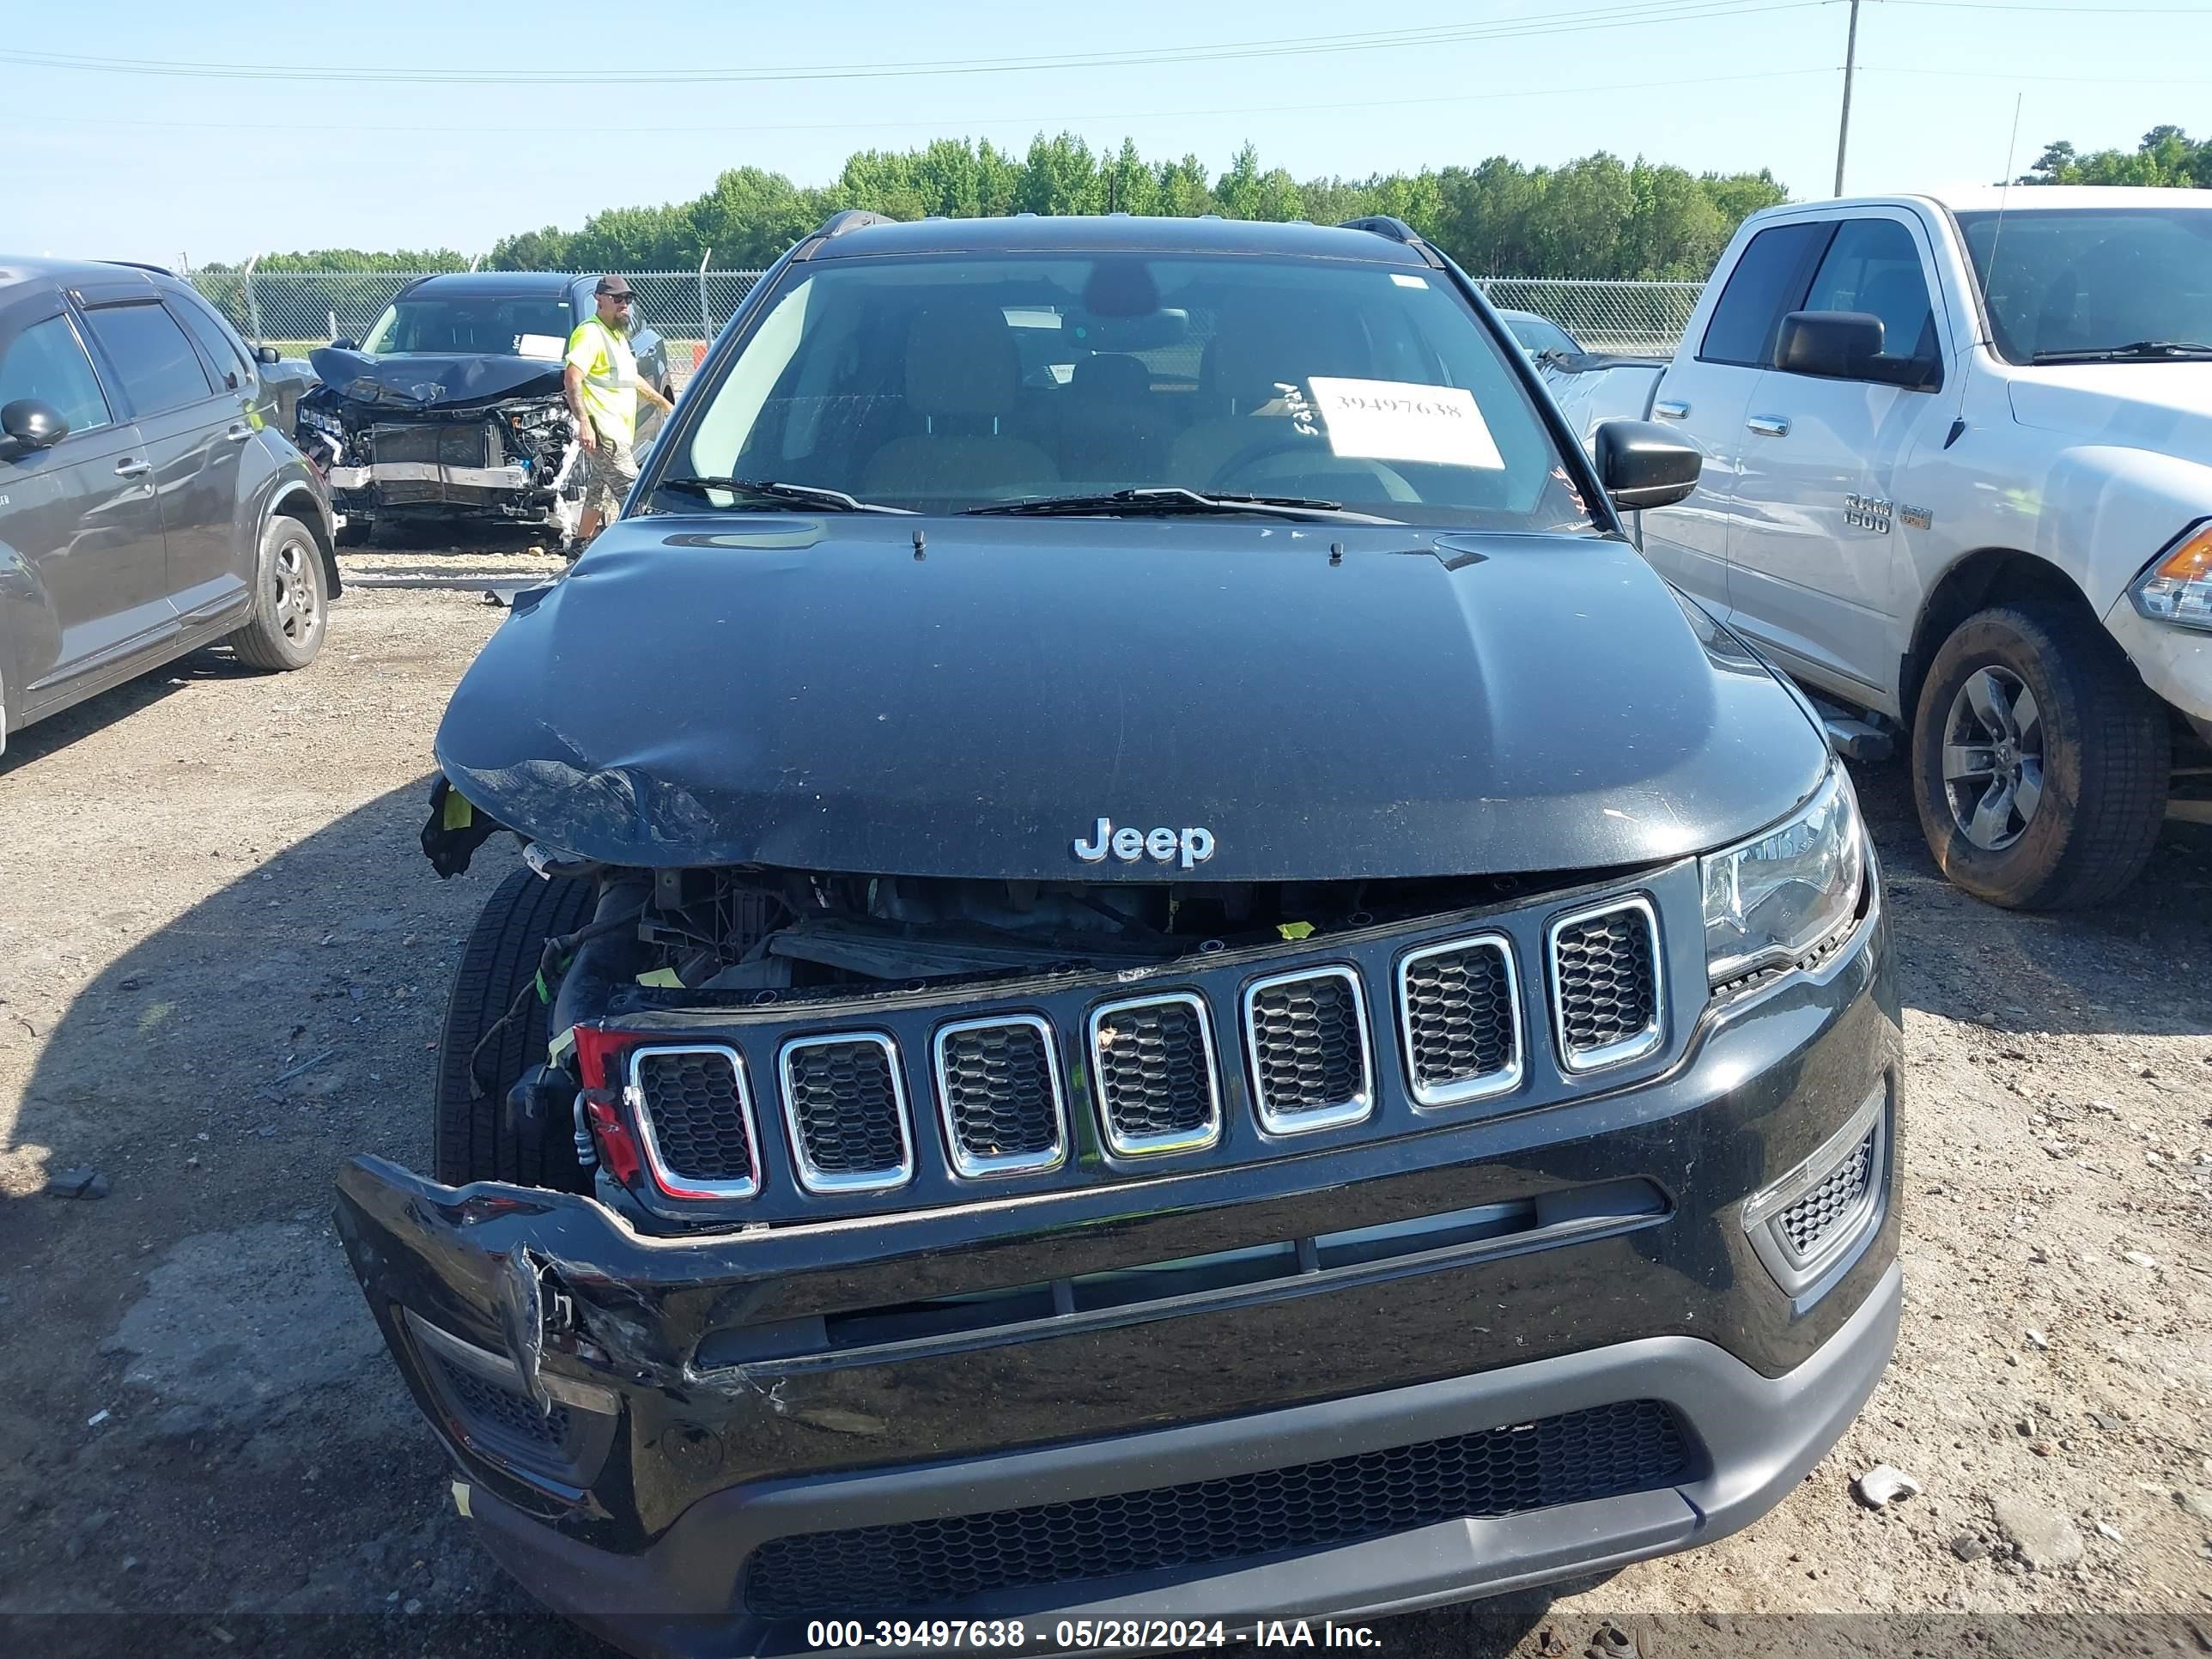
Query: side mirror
30, 424
1845, 345
1642, 463
345, 345
266, 354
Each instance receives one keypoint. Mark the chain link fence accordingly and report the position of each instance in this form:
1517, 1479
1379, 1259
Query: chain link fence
298, 310
1635, 318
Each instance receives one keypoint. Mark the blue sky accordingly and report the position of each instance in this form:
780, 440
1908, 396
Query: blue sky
163, 165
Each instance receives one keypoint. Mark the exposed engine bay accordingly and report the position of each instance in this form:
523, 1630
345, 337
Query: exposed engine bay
392, 444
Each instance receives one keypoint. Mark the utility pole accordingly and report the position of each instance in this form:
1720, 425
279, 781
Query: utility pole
1843, 127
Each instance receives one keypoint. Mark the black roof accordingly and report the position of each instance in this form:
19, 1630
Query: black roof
72, 273
1111, 233
499, 281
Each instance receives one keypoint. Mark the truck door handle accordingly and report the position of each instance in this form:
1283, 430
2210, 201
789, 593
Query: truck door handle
238, 434
1667, 409
128, 468
1770, 426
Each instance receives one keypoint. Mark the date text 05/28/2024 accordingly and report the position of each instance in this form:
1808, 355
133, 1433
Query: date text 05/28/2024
1068, 1635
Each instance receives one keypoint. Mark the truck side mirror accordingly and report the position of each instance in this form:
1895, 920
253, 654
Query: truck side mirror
1845, 345
29, 424
267, 354
1642, 463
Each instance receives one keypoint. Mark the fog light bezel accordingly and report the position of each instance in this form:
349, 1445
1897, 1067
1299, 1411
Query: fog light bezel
1798, 1273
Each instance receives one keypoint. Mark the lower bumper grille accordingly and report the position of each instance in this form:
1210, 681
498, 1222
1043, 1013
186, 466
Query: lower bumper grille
1636, 1445
1807, 1221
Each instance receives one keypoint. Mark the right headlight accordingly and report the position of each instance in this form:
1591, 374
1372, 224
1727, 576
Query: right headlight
2177, 588
1772, 898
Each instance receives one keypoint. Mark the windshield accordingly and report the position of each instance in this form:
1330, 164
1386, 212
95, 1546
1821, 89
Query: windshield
943, 384
2083, 280
508, 325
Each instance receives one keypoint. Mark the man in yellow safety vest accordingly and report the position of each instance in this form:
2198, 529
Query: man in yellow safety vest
599, 379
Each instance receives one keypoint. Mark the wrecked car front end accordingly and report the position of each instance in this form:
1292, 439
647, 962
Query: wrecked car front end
1147, 1233
487, 438
1071, 1052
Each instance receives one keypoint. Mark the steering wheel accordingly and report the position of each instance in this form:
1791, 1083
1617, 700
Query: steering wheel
1394, 484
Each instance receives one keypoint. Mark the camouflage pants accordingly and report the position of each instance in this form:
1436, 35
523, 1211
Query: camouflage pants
608, 472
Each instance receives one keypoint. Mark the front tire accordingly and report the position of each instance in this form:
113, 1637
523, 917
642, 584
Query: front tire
2039, 761
354, 532
290, 601
500, 962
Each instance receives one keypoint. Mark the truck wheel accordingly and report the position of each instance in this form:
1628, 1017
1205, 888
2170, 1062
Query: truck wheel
2039, 763
354, 533
286, 630
498, 965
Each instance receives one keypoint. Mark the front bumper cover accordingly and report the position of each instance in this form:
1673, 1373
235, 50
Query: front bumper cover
1762, 1435
647, 1537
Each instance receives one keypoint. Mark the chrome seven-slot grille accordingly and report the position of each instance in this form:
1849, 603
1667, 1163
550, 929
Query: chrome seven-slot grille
1155, 1069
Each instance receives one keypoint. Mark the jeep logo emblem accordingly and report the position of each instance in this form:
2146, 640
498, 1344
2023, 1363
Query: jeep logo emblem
1162, 845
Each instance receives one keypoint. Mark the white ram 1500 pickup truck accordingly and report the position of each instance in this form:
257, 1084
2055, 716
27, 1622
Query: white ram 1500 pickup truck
1959, 483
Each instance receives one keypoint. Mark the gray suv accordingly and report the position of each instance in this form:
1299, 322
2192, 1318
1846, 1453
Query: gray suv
148, 506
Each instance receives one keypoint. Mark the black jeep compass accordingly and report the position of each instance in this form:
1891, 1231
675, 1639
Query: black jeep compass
1155, 977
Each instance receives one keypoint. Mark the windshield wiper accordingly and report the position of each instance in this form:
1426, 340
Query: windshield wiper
767, 489
2140, 350
1173, 500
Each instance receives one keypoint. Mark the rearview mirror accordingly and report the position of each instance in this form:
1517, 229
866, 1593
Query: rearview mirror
267, 354
1845, 345
29, 424
1642, 464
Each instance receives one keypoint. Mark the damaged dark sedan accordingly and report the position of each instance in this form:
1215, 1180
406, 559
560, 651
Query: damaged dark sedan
1153, 977
451, 406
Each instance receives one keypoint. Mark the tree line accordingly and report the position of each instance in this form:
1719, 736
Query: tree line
2167, 156
1598, 216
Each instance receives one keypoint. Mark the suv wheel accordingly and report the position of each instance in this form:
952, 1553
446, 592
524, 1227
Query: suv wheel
498, 966
2039, 763
290, 604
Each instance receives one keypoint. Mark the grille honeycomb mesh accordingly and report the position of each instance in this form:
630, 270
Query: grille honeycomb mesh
1607, 990
998, 1083
1459, 1012
1630, 1446
1307, 1045
1153, 1078
500, 1418
844, 1100
697, 1121
1806, 1222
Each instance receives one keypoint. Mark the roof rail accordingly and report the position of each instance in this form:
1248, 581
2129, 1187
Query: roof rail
1397, 230
837, 224
137, 264
847, 219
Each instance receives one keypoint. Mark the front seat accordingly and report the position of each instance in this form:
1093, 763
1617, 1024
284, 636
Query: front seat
1113, 432
963, 374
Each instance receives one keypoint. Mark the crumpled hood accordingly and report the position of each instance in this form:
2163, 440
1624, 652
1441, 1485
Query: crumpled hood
812, 693
2161, 406
427, 382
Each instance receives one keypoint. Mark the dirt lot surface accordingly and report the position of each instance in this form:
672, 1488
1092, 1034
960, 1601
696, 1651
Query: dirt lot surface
225, 960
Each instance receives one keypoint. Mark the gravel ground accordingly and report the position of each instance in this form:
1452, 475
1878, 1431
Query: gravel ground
226, 962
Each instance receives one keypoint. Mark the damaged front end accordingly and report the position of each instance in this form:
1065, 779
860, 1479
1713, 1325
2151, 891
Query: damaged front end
889, 1226
487, 438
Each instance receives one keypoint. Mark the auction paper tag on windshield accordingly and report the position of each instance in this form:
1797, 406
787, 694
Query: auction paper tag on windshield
547, 346
1401, 420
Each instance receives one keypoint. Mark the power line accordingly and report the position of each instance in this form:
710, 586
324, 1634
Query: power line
39, 121
1639, 13
2095, 10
